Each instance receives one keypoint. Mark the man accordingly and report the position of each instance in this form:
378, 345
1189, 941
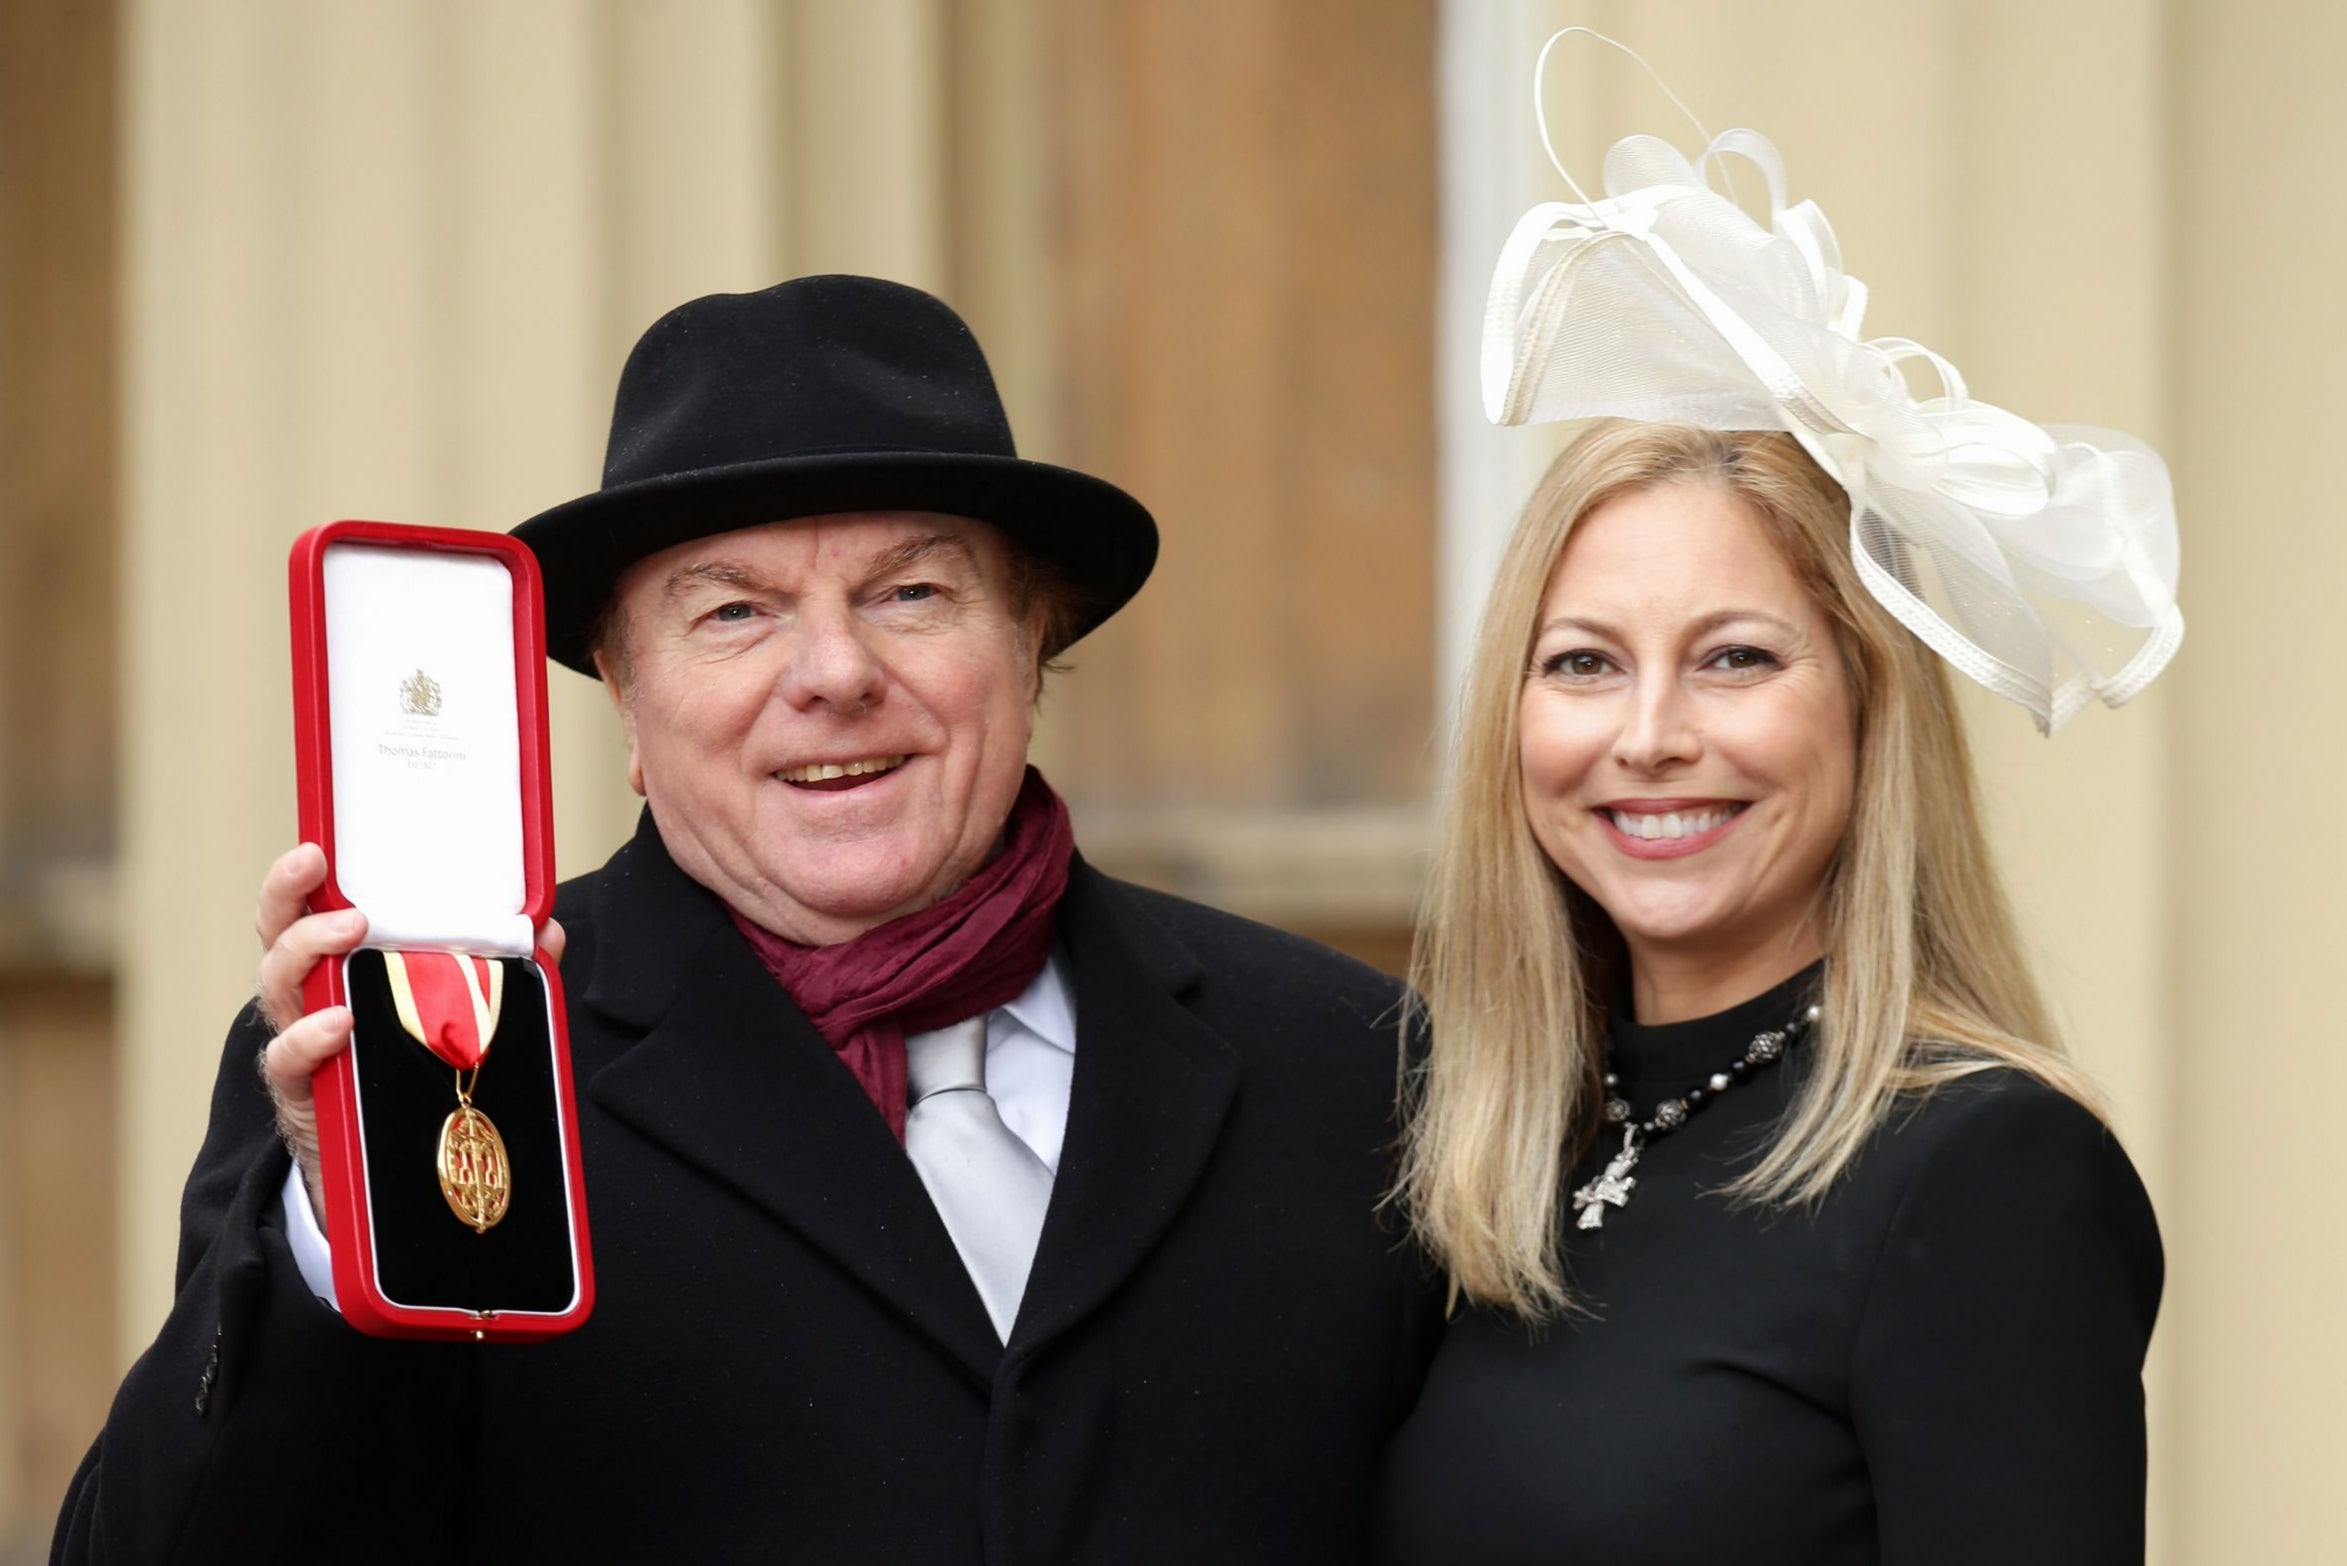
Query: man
1118, 1294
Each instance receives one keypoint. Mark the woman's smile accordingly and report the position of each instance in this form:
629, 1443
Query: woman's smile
1669, 828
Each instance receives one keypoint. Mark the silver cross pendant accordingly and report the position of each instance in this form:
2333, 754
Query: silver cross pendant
1612, 1186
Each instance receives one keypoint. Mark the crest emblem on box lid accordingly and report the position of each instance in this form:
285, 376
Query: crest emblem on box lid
419, 694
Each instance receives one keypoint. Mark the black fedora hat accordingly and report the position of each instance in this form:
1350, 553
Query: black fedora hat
819, 395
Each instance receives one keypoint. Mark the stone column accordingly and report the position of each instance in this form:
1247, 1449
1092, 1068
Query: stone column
2257, 1250
58, 615
384, 258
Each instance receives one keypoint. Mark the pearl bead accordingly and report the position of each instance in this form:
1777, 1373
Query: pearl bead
1721, 1081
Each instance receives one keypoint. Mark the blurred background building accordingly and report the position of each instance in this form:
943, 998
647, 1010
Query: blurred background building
264, 263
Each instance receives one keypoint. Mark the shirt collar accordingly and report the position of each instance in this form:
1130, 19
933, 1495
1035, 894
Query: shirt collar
1044, 1007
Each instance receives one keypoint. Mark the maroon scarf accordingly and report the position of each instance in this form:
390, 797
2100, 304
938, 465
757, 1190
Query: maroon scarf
971, 952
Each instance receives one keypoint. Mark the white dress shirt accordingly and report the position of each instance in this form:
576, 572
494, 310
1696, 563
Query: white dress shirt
1030, 1064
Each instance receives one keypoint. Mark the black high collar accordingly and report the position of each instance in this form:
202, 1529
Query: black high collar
1672, 1054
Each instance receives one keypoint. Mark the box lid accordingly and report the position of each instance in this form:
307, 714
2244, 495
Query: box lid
420, 715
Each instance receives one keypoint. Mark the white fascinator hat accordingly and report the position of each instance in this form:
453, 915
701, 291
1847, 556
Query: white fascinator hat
2039, 560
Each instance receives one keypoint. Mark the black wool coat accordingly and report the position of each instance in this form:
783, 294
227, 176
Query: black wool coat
787, 1361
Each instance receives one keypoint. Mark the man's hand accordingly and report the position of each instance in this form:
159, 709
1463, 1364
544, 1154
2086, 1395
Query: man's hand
294, 940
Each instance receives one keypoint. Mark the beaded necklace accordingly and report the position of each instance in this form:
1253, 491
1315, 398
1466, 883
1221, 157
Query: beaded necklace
1612, 1188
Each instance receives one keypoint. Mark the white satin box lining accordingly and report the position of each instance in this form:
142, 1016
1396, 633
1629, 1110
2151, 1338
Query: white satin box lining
426, 747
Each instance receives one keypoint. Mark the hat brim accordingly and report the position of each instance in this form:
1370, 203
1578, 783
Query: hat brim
1102, 539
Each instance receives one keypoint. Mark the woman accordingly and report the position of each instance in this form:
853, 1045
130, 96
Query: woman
1777, 1227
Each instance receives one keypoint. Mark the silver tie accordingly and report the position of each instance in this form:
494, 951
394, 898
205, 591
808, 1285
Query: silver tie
989, 1186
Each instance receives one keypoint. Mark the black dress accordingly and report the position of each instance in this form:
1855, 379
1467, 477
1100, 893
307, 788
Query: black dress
1940, 1363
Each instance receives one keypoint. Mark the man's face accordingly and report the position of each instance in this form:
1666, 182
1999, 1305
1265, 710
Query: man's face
828, 716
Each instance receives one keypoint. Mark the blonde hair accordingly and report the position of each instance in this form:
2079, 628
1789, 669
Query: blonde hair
1924, 979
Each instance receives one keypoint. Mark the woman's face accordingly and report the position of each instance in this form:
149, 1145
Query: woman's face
1686, 735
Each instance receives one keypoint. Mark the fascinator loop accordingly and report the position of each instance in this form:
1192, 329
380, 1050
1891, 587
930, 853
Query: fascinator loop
2039, 560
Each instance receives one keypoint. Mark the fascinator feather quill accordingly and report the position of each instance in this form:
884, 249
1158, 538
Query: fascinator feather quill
2039, 560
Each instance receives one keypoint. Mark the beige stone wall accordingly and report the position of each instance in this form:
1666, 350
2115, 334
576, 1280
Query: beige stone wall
383, 257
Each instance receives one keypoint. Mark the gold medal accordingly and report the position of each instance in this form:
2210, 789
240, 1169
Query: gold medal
449, 1004
474, 1175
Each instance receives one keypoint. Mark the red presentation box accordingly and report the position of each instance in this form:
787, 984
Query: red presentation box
419, 698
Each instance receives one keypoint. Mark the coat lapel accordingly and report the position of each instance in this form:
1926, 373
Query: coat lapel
1152, 1086
732, 1079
